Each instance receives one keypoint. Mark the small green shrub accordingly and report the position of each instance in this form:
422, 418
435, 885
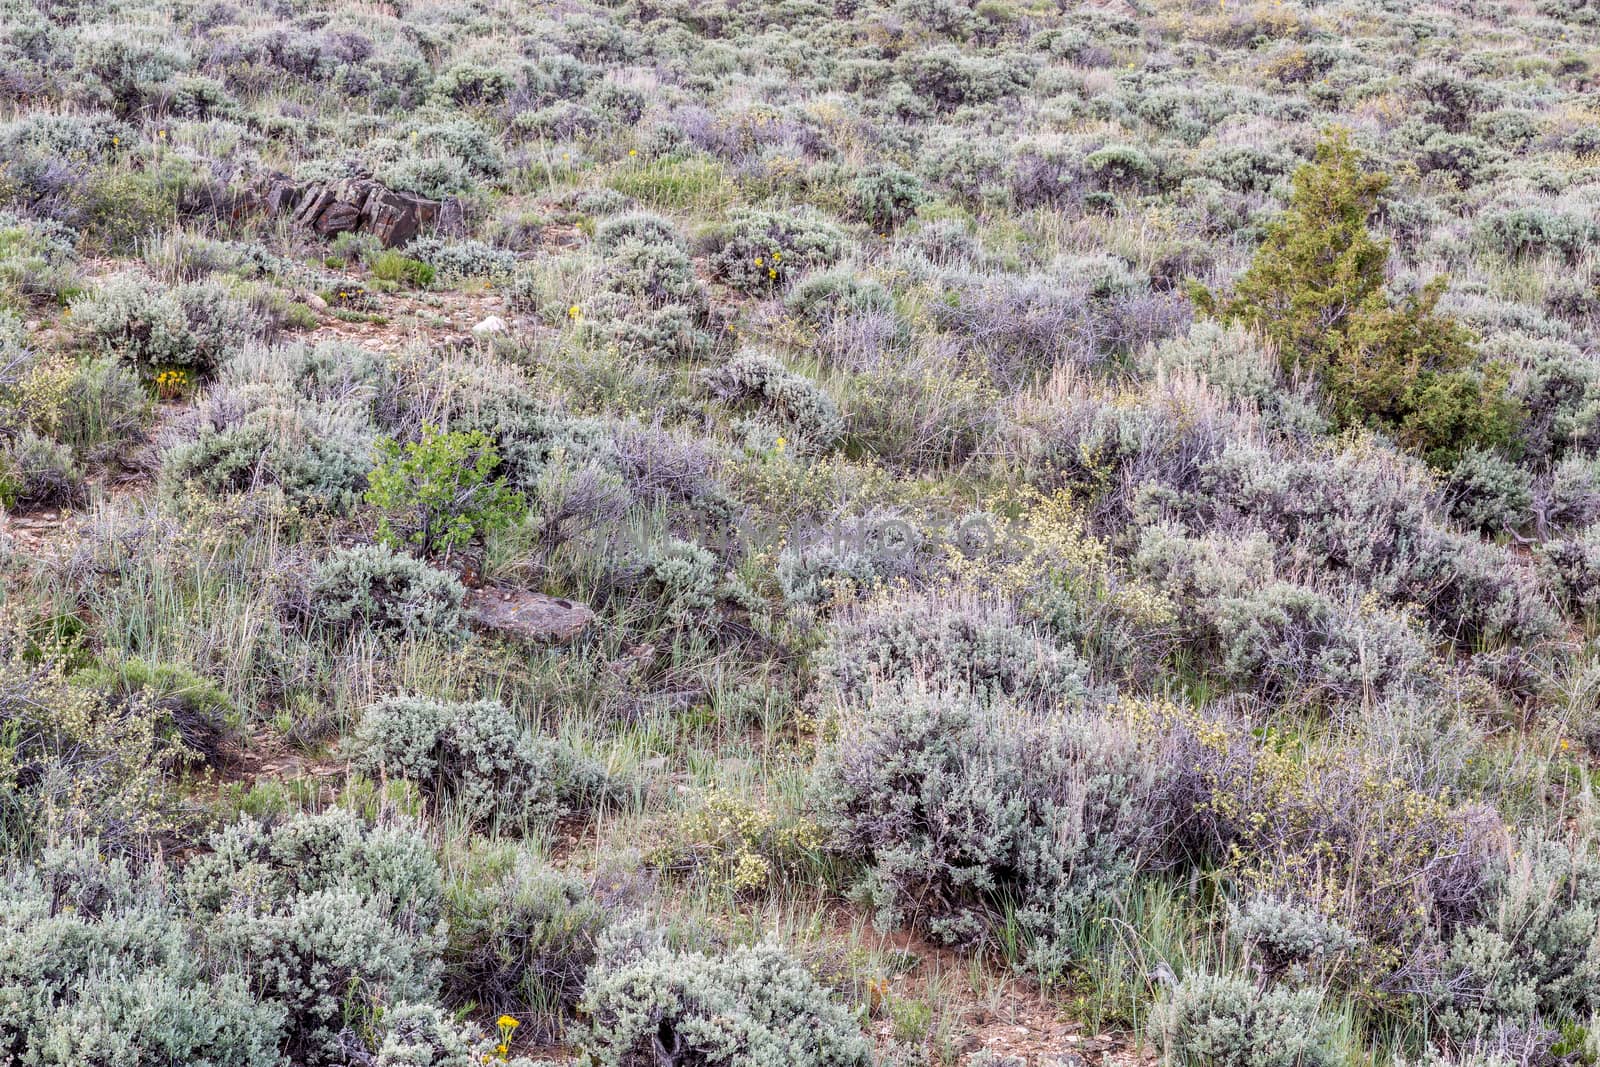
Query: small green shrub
391, 266
521, 942
441, 492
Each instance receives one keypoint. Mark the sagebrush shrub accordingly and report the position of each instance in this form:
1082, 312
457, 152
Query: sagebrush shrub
1489, 493
375, 589
38, 471
317, 453
885, 197
478, 758
1572, 567
196, 325
1224, 1020
759, 250
1287, 935
649, 300
950, 641
749, 1008
455, 260
99, 966
762, 380
959, 808
1534, 960
327, 920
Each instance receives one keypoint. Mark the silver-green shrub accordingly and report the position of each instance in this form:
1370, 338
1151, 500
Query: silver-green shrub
521, 941
196, 325
375, 589
477, 757
959, 807
1534, 960
97, 965
956, 642
759, 250
753, 1007
760, 380
1224, 1020
324, 918
37, 471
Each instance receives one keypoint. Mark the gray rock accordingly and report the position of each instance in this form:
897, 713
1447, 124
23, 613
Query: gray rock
358, 205
526, 615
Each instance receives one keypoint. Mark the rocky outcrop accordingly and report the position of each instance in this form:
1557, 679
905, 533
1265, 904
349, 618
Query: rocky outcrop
357, 205
526, 615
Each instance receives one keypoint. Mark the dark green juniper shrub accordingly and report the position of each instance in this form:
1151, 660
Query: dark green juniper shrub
1316, 290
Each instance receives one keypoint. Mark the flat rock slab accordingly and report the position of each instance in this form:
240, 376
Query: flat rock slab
527, 615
